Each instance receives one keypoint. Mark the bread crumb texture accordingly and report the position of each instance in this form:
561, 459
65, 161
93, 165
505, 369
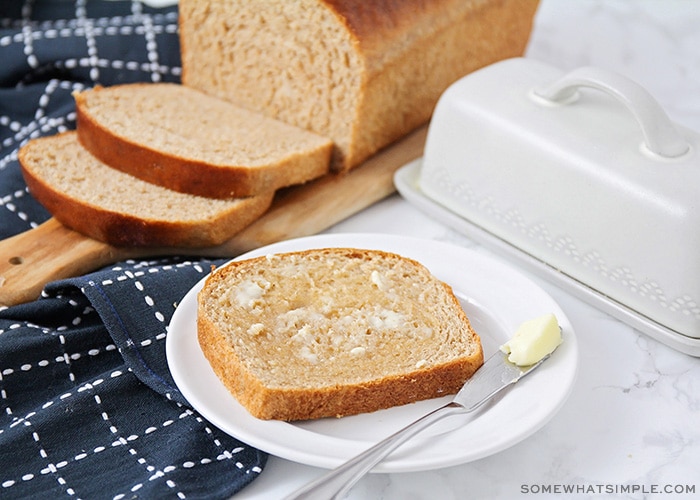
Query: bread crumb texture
289, 60
54, 159
334, 322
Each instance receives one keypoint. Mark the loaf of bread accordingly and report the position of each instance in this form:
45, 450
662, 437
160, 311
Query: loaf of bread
363, 73
182, 139
333, 332
88, 196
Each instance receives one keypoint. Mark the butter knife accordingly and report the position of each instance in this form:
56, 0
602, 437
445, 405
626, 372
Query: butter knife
495, 375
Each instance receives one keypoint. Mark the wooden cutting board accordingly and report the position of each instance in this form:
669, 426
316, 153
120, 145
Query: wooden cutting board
51, 251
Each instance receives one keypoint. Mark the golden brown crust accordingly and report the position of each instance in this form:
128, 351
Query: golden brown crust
380, 25
122, 229
187, 175
406, 81
385, 29
331, 401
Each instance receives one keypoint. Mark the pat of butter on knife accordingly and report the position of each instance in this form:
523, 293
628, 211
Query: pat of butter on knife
533, 340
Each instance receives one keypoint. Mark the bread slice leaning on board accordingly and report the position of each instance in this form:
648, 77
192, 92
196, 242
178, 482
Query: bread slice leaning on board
333, 332
182, 139
108, 205
362, 72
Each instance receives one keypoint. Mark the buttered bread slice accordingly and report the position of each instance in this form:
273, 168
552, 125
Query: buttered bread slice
333, 332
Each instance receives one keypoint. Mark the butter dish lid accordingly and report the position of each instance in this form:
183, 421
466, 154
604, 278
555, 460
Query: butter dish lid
579, 173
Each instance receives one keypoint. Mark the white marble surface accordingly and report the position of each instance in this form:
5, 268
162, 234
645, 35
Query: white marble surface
633, 417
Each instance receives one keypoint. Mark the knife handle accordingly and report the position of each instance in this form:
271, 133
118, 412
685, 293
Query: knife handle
336, 483
46, 253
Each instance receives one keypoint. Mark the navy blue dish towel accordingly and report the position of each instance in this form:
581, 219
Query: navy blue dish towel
88, 408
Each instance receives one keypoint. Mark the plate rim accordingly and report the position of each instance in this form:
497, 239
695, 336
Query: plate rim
343, 449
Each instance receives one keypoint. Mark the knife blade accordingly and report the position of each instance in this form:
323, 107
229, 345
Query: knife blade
495, 375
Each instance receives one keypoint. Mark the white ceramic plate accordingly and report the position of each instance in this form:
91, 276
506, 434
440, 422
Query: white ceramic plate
496, 298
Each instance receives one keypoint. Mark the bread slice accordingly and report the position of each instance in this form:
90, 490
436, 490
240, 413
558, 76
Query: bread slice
184, 140
363, 73
333, 332
108, 205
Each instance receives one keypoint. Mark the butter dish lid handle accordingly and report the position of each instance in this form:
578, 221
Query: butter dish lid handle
661, 137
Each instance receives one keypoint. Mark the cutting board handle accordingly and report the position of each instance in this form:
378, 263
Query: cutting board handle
46, 253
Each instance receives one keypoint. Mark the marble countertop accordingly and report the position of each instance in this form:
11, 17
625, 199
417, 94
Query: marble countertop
629, 428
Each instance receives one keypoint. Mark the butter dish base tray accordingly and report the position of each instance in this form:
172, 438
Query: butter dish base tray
407, 182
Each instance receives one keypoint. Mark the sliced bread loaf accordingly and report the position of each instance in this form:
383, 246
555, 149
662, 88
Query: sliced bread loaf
333, 332
363, 73
184, 140
111, 206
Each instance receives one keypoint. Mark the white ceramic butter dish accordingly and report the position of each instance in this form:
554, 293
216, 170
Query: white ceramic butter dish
580, 176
